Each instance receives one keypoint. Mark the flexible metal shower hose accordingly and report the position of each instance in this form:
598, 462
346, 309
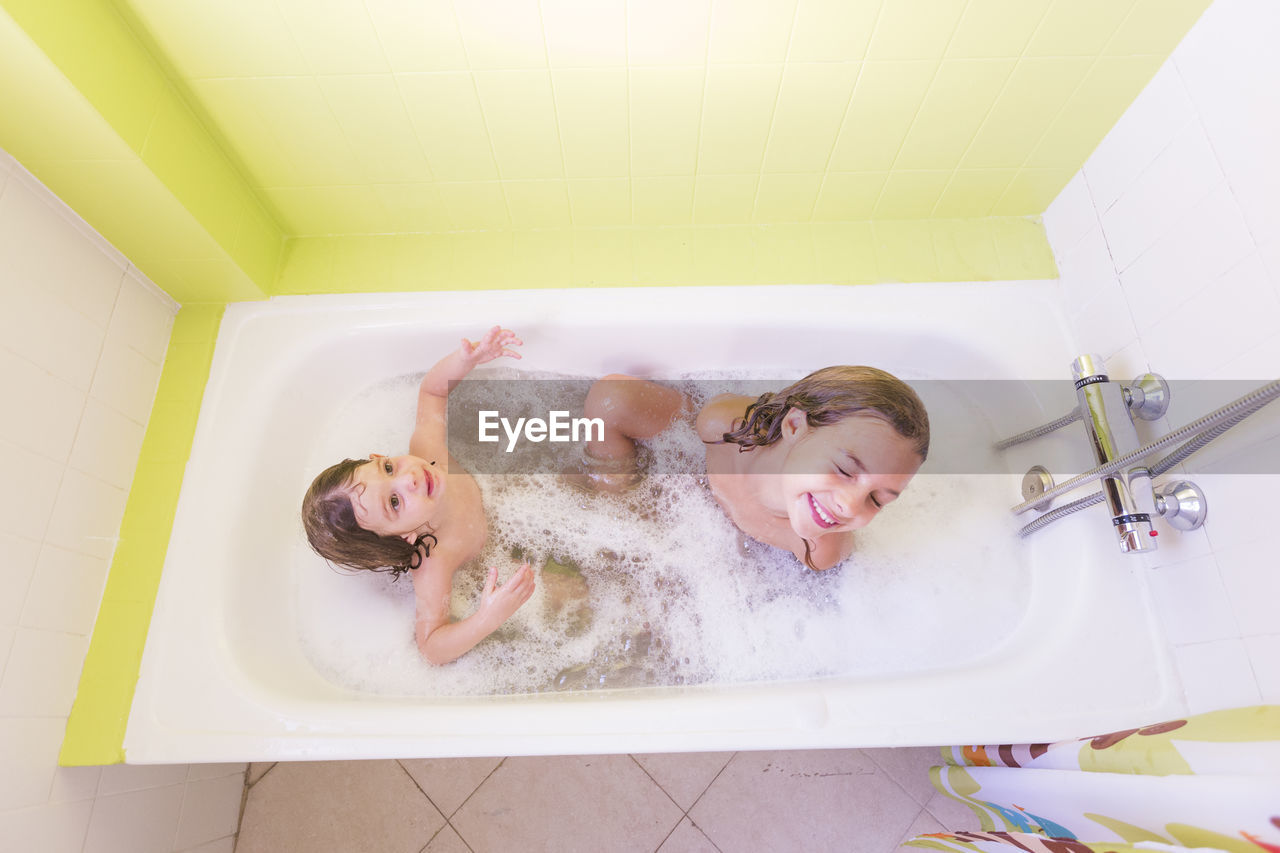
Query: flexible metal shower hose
1043, 429
1202, 432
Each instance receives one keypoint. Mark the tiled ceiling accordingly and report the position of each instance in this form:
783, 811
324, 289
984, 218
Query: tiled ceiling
395, 116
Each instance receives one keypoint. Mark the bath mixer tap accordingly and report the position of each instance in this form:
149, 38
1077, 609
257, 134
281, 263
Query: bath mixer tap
1123, 468
1105, 411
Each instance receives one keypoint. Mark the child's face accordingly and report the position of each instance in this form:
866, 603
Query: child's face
837, 478
396, 495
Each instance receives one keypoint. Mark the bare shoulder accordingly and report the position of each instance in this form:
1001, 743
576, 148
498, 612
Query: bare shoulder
717, 416
433, 585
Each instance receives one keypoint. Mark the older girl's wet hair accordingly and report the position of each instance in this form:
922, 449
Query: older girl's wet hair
330, 522
830, 395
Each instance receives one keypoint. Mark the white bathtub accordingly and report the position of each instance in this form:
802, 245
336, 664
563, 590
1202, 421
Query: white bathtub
225, 677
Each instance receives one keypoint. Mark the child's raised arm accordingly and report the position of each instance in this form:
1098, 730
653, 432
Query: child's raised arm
440, 640
433, 393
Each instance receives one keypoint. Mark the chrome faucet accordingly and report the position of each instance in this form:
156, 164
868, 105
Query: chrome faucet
1105, 412
1123, 468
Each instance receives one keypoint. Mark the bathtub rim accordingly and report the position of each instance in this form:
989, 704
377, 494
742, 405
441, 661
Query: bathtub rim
143, 750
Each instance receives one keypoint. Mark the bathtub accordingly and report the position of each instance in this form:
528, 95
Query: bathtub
225, 677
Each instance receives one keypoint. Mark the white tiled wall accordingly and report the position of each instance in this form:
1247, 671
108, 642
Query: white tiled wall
82, 341
1168, 244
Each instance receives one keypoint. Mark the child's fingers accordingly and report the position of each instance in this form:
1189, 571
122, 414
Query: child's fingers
491, 582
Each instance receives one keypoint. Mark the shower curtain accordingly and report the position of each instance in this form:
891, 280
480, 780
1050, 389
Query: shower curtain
1212, 780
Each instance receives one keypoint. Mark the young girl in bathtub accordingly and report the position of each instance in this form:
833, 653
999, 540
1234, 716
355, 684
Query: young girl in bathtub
420, 514
799, 469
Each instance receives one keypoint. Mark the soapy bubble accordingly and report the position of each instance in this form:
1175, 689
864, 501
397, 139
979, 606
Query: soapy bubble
656, 587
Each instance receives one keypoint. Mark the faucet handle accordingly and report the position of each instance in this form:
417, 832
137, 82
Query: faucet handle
1182, 504
1147, 396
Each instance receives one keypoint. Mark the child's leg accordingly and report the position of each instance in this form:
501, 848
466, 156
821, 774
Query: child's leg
631, 409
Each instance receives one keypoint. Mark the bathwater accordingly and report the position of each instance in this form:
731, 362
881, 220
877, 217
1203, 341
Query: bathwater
656, 587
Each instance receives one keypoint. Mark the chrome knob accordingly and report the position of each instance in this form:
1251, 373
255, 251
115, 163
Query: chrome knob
1182, 504
1147, 396
1035, 483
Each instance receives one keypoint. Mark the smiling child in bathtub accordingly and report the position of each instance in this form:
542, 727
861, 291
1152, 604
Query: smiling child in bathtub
420, 514
799, 469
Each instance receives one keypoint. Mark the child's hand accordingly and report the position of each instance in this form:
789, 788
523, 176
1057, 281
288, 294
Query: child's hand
497, 342
499, 602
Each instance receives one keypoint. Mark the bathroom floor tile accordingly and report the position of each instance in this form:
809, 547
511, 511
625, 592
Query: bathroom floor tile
449, 781
909, 767
684, 775
924, 824
951, 813
567, 803
687, 838
446, 841
337, 805
257, 770
804, 800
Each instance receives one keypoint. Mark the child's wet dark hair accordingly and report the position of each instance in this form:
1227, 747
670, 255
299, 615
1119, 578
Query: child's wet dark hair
330, 522
830, 395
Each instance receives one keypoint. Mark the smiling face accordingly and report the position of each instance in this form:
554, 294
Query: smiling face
837, 478
396, 496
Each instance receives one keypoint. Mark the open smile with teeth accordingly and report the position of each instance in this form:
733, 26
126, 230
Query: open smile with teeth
820, 514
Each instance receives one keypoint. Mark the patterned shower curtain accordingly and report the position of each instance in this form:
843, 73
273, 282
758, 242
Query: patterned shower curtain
1209, 781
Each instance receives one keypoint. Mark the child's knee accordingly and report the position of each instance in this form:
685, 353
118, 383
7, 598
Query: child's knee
607, 394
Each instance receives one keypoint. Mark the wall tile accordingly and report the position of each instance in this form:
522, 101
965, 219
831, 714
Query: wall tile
210, 810
6, 643
1263, 653
136, 822
812, 102
1181, 176
1234, 505
63, 342
1146, 129
25, 512
1192, 602
1228, 62
37, 253
142, 317
52, 407
41, 673
71, 784
126, 380
66, 298
1209, 239
1216, 675
122, 778
1070, 217
65, 591
668, 32
29, 747
1253, 590
18, 557
86, 516
215, 771
1104, 323
1186, 185
1087, 271
53, 828
225, 845
1213, 316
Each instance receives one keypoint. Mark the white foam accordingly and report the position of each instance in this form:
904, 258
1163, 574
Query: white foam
676, 593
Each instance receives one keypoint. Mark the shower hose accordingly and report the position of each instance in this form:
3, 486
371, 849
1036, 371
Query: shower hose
1197, 434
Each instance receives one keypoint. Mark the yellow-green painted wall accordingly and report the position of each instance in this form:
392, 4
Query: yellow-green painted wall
229, 148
